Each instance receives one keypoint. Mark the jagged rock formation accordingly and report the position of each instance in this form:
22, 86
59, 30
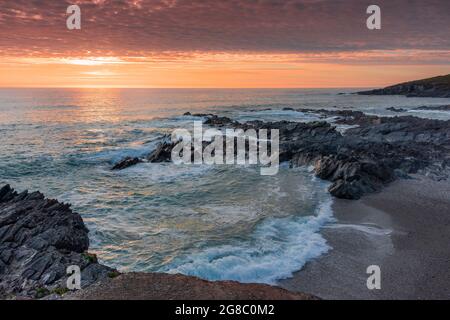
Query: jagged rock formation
39, 239
437, 87
365, 158
127, 162
378, 151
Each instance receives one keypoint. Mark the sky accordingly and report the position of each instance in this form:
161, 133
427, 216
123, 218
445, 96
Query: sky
222, 44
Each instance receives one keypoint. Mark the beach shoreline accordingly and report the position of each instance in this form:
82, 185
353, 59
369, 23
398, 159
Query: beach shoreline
404, 229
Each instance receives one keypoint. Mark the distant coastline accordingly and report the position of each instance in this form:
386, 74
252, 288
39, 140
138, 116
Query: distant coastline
436, 87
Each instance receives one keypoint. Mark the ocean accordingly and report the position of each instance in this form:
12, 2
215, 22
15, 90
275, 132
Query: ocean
215, 222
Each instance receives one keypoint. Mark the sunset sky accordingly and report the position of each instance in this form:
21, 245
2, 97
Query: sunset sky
222, 44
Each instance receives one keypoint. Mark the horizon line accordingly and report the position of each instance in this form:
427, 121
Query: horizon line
212, 88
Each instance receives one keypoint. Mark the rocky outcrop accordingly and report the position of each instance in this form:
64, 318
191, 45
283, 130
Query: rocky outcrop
127, 162
162, 153
437, 87
380, 150
394, 109
39, 239
363, 159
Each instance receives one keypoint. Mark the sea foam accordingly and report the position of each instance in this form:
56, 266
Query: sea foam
277, 248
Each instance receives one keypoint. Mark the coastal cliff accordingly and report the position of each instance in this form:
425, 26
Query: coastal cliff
40, 238
436, 87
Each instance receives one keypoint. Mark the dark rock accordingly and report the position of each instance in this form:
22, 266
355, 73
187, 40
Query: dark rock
394, 109
162, 153
39, 239
363, 160
259, 110
217, 121
200, 115
125, 163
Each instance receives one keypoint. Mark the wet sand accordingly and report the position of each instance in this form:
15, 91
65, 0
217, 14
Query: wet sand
405, 229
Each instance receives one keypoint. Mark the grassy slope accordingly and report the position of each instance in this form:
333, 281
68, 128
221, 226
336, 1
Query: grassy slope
440, 80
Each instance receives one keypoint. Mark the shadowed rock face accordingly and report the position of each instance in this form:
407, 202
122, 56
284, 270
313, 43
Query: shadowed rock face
39, 239
127, 162
437, 87
376, 152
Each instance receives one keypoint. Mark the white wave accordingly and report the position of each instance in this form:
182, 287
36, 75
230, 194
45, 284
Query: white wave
116, 155
368, 229
277, 248
139, 150
446, 112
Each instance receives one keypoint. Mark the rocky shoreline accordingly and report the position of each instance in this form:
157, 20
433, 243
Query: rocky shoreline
372, 152
40, 238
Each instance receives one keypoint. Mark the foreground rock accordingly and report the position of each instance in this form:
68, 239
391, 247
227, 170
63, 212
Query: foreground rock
160, 286
437, 87
39, 239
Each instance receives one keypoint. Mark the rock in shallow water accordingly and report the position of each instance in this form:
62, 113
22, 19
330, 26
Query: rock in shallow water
361, 161
127, 162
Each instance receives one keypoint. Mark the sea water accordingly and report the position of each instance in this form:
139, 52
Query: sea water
215, 222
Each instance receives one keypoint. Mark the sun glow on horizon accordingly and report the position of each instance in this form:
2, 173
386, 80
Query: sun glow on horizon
95, 61
224, 70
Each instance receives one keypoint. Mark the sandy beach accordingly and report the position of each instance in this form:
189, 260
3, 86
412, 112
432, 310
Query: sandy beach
405, 229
